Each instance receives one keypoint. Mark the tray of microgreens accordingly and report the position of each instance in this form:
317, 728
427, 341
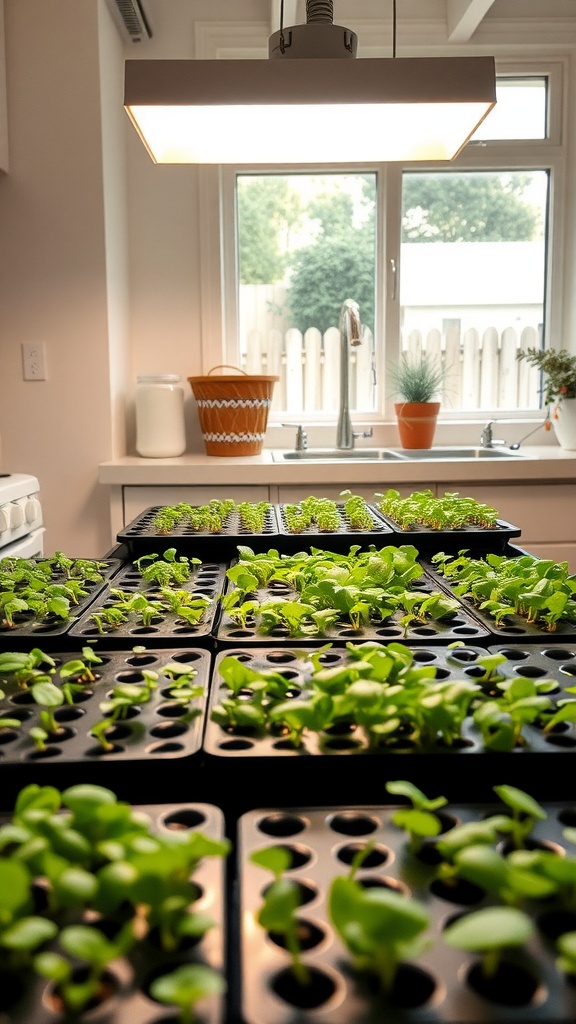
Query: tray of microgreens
41, 597
111, 911
420, 910
320, 594
161, 598
213, 529
517, 597
439, 707
90, 705
451, 521
312, 520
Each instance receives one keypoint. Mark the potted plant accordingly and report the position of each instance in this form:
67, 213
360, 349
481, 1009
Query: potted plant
559, 390
418, 382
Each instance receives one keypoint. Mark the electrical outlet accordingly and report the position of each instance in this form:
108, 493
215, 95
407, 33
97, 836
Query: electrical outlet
33, 360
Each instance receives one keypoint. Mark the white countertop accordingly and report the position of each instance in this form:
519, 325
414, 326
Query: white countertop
545, 462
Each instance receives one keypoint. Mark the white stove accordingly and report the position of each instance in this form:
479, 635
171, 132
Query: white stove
21, 529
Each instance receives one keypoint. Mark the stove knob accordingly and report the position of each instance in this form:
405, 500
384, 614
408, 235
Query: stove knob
32, 510
16, 515
4, 518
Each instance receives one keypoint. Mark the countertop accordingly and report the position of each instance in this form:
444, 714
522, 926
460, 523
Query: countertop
544, 463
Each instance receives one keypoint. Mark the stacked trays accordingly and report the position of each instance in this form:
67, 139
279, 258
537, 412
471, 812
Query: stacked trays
339, 762
441, 985
29, 999
153, 720
165, 627
45, 630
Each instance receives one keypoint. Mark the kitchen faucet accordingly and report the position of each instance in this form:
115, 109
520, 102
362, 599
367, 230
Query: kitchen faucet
486, 439
350, 335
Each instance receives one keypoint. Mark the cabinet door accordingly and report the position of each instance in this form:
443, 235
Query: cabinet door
137, 499
546, 513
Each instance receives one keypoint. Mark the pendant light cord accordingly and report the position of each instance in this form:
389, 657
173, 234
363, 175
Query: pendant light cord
394, 28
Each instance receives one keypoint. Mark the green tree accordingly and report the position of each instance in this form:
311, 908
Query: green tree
468, 207
267, 210
339, 264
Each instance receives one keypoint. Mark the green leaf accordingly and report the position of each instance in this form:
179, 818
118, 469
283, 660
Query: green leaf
489, 929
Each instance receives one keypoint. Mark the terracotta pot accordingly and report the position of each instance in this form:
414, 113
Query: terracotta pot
416, 423
564, 423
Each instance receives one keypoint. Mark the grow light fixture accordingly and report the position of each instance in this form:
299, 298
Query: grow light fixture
311, 101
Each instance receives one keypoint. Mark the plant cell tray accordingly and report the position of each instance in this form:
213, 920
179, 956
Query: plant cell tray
438, 986
206, 580
460, 626
339, 539
33, 631
340, 761
29, 1000
490, 539
156, 729
142, 537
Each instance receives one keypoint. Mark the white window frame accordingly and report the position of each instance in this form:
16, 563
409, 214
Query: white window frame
218, 239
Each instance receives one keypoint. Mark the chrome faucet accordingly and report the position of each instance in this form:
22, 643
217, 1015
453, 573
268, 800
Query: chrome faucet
350, 335
486, 439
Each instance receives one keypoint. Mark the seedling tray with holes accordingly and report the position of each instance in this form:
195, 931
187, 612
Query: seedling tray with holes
160, 729
206, 580
512, 628
27, 999
340, 539
473, 538
339, 761
460, 626
440, 985
31, 631
142, 537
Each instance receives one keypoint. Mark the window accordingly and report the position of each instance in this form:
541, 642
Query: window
456, 259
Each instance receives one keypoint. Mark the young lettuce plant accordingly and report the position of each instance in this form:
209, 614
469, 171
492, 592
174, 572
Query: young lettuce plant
490, 931
278, 913
419, 820
185, 986
94, 950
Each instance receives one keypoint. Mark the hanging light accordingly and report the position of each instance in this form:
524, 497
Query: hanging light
312, 101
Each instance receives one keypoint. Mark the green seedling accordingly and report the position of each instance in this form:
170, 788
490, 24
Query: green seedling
380, 927
566, 961
26, 668
490, 931
510, 880
91, 947
419, 820
423, 508
186, 986
21, 932
166, 570
525, 812
48, 697
278, 912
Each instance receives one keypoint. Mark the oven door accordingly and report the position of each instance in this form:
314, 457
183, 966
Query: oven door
30, 546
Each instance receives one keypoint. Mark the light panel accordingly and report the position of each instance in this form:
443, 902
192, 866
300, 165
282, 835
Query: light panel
308, 110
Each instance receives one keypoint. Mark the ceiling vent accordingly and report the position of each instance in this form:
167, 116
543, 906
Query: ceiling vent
130, 19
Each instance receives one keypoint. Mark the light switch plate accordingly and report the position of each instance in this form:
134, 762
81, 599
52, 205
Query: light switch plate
33, 360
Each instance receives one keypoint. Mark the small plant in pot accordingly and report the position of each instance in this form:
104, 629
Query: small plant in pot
558, 390
418, 382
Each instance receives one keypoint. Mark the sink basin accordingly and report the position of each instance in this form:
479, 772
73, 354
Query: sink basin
394, 455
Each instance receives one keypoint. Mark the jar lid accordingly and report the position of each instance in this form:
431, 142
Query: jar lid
158, 378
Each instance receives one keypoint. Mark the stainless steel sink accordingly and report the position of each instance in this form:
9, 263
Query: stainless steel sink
452, 454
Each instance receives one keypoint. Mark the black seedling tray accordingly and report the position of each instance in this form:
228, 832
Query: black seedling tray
460, 626
206, 580
437, 987
473, 538
340, 539
339, 762
157, 730
142, 537
30, 631
132, 975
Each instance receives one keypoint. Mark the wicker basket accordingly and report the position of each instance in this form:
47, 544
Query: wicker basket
233, 411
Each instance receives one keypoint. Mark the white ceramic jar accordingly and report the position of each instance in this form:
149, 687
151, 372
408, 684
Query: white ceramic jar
160, 430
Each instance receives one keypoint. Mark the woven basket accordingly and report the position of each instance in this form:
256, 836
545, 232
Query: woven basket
233, 411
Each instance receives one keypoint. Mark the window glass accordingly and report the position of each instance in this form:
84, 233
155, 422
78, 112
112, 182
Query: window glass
305, 244
520, 111
472, 281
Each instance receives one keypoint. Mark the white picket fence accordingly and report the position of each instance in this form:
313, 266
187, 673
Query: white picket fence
482, 371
